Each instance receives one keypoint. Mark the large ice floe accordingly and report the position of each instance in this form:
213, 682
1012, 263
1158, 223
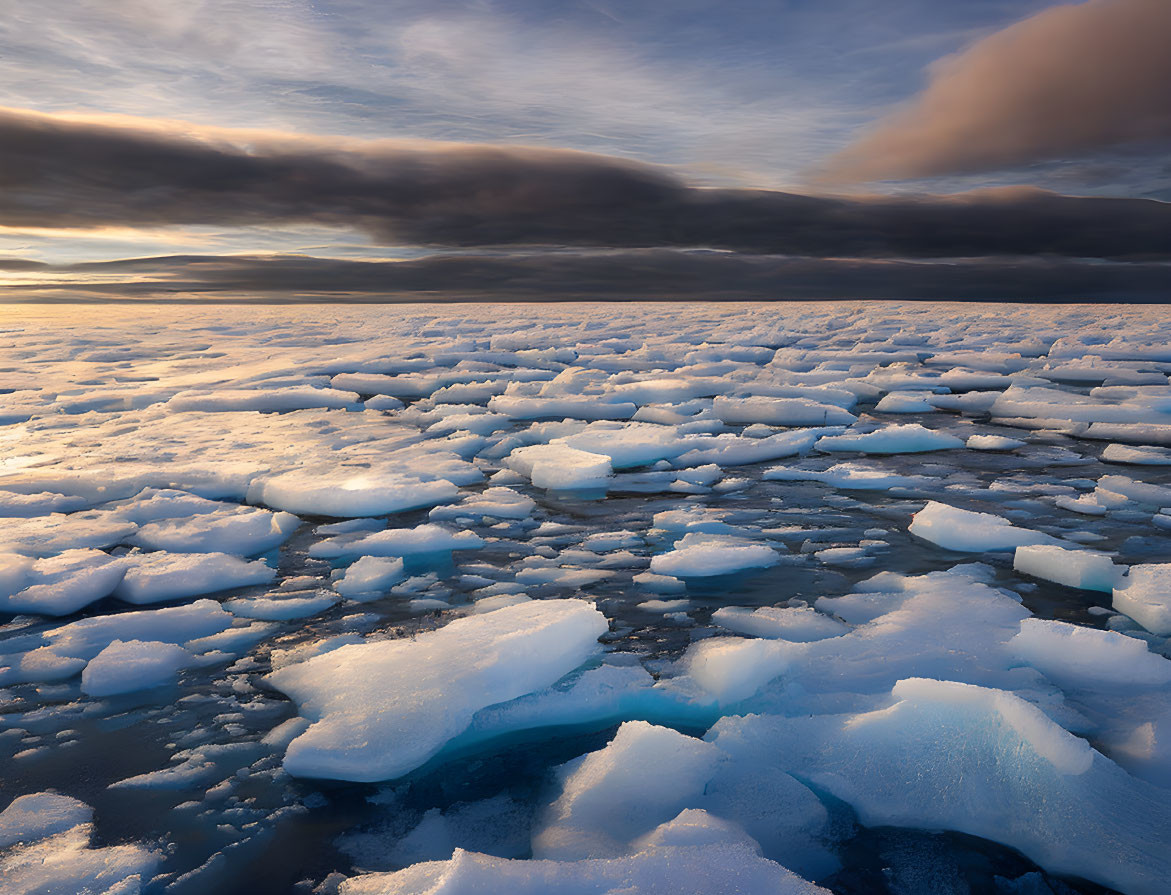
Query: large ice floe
613, 599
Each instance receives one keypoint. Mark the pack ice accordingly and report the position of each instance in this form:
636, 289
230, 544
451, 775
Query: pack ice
813, 597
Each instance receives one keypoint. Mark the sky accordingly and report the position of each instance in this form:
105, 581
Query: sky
399, 150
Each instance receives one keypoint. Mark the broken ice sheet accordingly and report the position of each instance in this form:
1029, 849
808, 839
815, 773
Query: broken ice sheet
643, 583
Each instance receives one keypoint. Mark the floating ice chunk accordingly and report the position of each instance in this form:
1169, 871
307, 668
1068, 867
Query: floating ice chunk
1145, 596
905, 402
694, 519
59, 585
800, 625
721, 868
699, 554
476, 423
49, 535
47, 838
153, 504
603, 541
780, 412
500, 502
980, 761
425, 538
1086, 656
128, 665
731, 669
849, 476
735, 450
243, 531
231, 640
955, 529
344, 493
278, 607
628, 444
293, 397
38, 504
370, 576
1088, 504
560, 467
383, 402
39, 815
87, 637
1138, 455
1140, 433
664, 606
643, 777
520, 407
993, 443
155, 577
1073, 568
196, 767
381, 709
408, 385
15, 569
843, 556
660, 584
910, 438
667, 390
1142, 492
562, 576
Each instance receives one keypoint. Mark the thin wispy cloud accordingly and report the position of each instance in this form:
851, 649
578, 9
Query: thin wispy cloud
469, 73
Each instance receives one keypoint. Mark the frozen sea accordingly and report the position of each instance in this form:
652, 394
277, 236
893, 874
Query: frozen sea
607, 598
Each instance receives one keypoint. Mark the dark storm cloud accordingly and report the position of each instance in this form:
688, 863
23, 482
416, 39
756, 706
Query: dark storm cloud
1069, 80
656, 274
68, 173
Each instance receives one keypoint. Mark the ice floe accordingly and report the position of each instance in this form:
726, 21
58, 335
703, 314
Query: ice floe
379, 710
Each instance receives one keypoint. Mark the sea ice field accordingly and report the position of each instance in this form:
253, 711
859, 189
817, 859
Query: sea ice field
607, 598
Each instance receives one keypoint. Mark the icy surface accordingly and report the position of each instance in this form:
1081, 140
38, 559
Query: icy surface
125, 666
608, 598
718, 869
1145, 595
1074, 568
379, 710
957, 529
45, 850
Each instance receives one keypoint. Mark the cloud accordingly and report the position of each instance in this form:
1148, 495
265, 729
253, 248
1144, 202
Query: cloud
83, 173
1067, 81
655, 274
557, 74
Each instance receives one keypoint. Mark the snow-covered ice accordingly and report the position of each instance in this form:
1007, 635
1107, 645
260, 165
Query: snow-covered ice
698, 554
958, 529
45, 850
1145, 595
378, 710
124, 666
